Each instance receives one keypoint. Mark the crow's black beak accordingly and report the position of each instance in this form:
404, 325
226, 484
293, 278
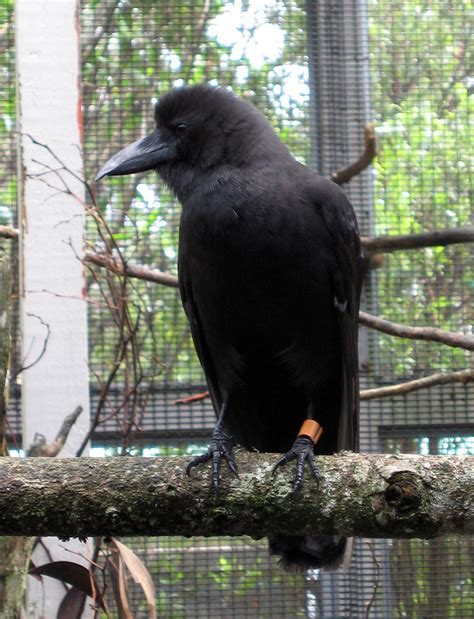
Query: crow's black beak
142, 155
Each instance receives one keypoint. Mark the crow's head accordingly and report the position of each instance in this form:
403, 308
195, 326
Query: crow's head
199, 127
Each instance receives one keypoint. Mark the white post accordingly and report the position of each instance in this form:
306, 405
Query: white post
52, 226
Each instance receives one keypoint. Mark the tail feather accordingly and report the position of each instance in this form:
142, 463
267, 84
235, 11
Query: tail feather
304, 552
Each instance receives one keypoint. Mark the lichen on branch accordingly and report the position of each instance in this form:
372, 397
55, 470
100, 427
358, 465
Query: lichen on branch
362, 495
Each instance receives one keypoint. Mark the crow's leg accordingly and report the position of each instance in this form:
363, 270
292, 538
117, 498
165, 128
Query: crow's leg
220, 447
303, 451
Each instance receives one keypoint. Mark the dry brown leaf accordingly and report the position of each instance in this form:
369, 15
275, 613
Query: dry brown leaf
72, 573
140, 575
119, 584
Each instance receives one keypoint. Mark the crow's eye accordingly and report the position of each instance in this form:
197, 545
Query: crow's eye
181, 128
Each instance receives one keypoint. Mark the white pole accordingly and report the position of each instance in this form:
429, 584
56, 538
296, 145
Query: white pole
52, 226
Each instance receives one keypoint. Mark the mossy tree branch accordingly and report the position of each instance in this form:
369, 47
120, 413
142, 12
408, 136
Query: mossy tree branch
362, 495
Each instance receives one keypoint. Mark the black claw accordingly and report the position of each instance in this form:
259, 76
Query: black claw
302, 450
198, 460
220, 448
283, 460
314, 470
231, 464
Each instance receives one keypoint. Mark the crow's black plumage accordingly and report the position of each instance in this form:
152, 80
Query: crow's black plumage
270, 274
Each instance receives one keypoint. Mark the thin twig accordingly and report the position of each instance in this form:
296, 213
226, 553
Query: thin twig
370, 603
430, 334
127, 354
433, 334
378, 244
7, 232
462, 376
370, 152
137, 271
192, 398
44, 347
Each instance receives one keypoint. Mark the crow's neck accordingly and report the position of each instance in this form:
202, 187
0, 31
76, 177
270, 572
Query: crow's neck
188, 182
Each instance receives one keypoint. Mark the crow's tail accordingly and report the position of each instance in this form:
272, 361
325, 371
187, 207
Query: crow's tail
305, 552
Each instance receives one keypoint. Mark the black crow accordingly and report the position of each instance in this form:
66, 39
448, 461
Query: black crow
270, 271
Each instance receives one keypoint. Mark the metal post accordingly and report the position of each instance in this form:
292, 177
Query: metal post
340, 99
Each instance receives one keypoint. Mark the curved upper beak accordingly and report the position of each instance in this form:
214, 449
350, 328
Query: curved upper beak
142, 155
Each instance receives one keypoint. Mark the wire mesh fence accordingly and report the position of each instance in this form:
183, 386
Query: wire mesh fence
8, 158
320, 72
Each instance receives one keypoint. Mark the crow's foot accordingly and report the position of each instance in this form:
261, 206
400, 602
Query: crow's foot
302, 450
220, 447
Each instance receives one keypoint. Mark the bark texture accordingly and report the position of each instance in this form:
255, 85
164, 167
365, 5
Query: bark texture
362, 495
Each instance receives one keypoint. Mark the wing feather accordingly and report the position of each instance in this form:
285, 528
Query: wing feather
341, 223
197, 333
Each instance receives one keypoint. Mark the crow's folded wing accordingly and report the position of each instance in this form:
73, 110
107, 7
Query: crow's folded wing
197, 332
341, 223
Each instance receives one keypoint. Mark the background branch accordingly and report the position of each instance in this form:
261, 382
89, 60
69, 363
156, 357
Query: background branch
120, 267
370, 152
435, 238
7, 232
430, 334
462, 376
433, 334
39, 447
379, 244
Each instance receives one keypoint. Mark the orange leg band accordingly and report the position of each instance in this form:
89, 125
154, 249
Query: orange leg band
311, 429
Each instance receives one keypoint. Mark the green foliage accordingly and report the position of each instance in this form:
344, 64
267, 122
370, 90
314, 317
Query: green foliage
7, 114
422, 99
432, 576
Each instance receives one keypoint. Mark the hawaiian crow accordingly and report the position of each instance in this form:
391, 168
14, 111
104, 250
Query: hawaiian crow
270, 271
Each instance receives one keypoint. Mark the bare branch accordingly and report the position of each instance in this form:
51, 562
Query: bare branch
192, 398
430, 334
44, 346
137, 271
8, 233
346, 174
370, 603
39, 447
435, 238
462, 376
376, 244
127, 357
392, 328
381, 244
